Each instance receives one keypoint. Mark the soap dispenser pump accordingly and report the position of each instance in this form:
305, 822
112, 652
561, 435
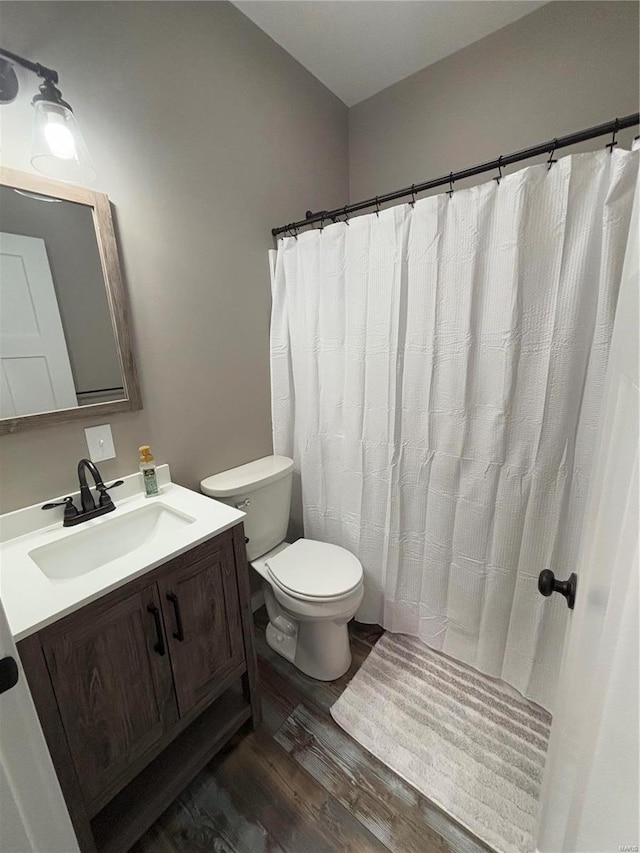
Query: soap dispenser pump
148, 471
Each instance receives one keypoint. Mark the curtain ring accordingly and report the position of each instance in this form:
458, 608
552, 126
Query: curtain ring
321, 224
498, 177
295, 232
413, 195
611, 145
377, 207
346, 215
450, 190
551, 159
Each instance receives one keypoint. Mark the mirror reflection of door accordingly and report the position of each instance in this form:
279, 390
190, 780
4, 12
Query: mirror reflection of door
35, 372
57, 342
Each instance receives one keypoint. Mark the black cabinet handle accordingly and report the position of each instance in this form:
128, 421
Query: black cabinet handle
179, 632
159, 646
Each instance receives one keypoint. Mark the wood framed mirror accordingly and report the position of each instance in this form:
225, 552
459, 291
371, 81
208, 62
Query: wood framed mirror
65, 338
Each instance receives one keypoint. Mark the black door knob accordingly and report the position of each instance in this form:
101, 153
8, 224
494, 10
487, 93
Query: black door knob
547, 584
8, 674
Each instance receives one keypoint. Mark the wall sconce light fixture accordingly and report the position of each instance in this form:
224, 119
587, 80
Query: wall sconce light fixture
58, 148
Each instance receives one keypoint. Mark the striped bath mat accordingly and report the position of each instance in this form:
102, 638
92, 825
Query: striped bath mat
469, 743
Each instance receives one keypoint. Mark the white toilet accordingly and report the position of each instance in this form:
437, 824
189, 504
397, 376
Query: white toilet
312, 589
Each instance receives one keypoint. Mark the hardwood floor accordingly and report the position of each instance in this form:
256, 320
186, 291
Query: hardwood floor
300, 784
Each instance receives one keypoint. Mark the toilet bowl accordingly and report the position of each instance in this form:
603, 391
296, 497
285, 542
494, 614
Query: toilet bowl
312, 589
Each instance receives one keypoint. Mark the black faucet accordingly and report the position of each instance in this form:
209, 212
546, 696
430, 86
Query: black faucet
86, 498
73, 515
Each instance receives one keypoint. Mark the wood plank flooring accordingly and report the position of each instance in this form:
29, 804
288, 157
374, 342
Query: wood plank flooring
300, 784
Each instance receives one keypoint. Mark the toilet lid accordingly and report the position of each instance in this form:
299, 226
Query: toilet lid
315, 569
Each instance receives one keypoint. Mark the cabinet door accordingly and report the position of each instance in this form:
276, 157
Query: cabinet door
113, 684
202, 613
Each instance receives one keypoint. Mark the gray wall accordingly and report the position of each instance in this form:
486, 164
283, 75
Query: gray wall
564, 67
205, 134
72, 249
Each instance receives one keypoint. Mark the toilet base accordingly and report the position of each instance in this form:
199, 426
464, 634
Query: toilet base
312, 635
319, 649
281, 643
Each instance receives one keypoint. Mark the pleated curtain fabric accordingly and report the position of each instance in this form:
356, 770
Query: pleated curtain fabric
437, 376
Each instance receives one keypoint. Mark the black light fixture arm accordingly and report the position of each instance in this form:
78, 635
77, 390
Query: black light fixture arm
48, 89
40, 70
549, 147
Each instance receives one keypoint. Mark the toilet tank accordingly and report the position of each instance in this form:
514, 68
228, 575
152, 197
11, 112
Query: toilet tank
266, 486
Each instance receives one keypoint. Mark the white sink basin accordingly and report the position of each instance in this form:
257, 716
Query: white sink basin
47, 571
93, 547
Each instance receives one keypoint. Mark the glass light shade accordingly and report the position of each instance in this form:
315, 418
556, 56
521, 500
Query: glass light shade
58, 148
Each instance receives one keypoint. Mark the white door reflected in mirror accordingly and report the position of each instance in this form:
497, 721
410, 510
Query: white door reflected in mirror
35, 368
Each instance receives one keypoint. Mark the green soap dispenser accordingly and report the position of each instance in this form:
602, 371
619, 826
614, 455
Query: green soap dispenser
148, 471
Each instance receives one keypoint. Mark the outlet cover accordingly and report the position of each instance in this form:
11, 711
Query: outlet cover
100, 443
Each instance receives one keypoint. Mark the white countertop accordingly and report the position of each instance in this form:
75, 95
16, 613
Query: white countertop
33, 600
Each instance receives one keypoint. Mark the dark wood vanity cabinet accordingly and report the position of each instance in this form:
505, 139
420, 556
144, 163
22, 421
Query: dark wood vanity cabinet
139, 689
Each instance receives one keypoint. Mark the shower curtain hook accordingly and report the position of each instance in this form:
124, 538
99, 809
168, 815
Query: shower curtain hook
450, 190
377, 207
295, 231
611, 145
498, 177
413, 195
321, 224
551, 159
346, 215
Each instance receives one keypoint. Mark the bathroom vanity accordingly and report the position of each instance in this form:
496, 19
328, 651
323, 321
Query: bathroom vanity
139, 687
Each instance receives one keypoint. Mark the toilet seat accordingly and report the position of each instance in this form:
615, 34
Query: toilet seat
315, 571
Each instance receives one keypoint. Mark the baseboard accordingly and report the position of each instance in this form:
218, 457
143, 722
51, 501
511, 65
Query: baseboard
257, 600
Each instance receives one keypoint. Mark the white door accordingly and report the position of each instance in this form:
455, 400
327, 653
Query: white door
35, 372
590, 796
33, 814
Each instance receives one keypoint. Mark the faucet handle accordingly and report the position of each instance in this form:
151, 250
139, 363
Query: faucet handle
113, 485
105, 499
70, 510
65, 502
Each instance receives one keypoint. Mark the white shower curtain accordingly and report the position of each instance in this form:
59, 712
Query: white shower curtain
437, 374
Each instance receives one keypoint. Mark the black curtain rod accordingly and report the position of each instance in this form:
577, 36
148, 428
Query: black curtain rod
506, 160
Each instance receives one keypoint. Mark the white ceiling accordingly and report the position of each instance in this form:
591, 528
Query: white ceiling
359, 47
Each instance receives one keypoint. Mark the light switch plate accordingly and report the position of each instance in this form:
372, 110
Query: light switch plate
100, 443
